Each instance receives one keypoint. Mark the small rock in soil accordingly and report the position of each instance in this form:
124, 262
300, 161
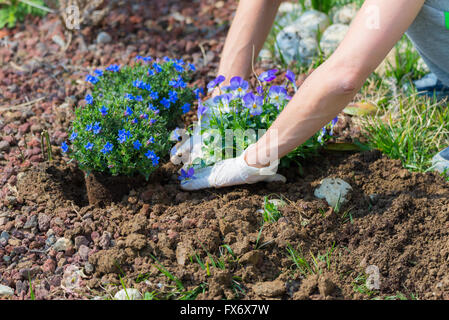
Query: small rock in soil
6, 291
129, 294
4, 145
62, 244
334, 190
104, 37
270, 288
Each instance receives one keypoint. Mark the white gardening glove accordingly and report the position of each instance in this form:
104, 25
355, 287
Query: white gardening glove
189, 148
231, 172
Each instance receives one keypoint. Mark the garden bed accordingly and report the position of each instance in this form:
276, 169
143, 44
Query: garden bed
207, 244
395, 220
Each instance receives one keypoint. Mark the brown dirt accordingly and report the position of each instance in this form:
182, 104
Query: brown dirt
400, 223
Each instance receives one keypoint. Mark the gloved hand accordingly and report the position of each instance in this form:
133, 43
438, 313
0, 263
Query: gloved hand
231, 172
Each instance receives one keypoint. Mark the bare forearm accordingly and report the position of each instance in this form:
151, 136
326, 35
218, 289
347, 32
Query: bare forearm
249, 29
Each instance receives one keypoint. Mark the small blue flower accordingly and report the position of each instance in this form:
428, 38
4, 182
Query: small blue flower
192, 67
198, 92
150, 72
64, 147
165, 102
173, 96
185, 108
96, 128
139, 58
153, 108
73, 136
98, 72
151, 140
202, 109
89, 127
123, 135
113, 68
137, 145
153, 157
91, 79
135, 121
89, 99
178, 67
147, 59
88, 146
104, 110
129, 96
152, 121
143, 116
138, 98
128, 111
139, 84
154, 95
107, 148
157, 68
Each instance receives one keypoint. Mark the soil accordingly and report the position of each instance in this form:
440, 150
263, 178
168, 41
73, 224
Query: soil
395, 220
399, 223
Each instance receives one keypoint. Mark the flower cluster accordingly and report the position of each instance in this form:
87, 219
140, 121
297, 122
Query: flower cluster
238, 108
124, 126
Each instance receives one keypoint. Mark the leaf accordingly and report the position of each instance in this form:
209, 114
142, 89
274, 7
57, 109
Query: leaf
360, 109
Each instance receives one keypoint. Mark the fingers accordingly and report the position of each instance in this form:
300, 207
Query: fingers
276, 178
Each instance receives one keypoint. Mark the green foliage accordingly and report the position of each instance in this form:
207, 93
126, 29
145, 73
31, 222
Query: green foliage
414, 133
12, 11
124, 128
270, 211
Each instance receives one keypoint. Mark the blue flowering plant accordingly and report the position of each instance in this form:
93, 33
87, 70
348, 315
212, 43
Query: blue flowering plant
124, 127
239, 108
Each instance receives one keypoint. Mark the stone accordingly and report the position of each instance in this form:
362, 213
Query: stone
292, 46
6, 291
345, 14
332, 37
43, 222
62, 244
288, 7
81, 240
104, 37
181, 253
4, 146
129, 294
83, 252
333, 190
4, 237
270, 288
31, 222
310, 22
265, 54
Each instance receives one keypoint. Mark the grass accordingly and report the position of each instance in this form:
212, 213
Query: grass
413, 133
270, 211
313, 265
359, 285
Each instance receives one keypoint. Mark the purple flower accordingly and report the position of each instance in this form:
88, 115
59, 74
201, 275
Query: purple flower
333, 123
253, 103
202, 109
239, 86
290, 76
214, 83
107, 148
185, 108
259, 90
224, 100
186, 176
64, 147
277, 95
268, 76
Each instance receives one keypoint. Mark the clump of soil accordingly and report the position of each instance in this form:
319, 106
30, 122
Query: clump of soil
396, 221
